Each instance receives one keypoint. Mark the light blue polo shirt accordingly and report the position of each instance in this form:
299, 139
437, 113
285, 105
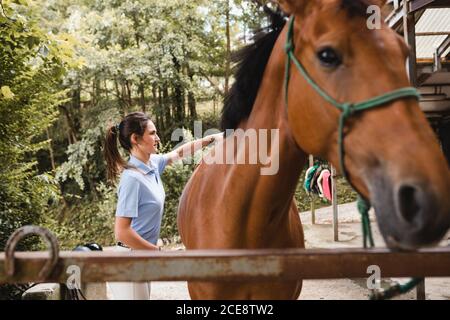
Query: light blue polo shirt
141, 196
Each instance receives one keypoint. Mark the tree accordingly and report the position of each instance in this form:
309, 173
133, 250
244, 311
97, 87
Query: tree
32, 64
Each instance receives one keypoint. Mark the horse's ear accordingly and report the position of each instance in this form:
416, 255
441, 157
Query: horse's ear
292, 6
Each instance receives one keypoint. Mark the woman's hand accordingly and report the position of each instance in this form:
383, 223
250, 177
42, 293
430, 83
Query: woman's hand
188, 149
214, 137
125, 234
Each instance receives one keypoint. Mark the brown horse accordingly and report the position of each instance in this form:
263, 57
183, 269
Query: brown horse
391, 154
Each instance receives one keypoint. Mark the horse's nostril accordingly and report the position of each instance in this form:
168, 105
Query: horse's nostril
408, 202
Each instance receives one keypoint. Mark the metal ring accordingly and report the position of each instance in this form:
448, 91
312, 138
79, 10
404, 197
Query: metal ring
21, 233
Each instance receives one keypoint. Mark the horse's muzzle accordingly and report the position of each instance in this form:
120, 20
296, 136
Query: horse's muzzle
410, 214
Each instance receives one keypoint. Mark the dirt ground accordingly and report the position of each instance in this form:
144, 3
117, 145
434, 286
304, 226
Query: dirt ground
320, 235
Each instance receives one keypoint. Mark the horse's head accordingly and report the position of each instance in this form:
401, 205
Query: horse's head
391, 154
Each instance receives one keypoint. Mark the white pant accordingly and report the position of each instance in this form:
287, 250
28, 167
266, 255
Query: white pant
127, 290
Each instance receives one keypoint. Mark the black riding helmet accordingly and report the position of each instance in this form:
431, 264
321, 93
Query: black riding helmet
89, 247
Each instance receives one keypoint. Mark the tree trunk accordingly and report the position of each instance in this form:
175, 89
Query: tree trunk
124, 97
120, 101
228, 53
74, 112
178, 102
94, 96
156, 107
128, 91
192, 104
71, 136
105, 84
160, 109
142, 96
178, 99
166, 104
50, 150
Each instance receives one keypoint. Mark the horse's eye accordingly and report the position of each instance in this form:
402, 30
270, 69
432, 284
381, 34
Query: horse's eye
329, 57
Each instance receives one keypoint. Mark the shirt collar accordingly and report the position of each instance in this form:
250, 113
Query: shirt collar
145, 168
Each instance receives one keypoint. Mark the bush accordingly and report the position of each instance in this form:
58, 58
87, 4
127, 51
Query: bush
31, 66
175, 178
210, 120
87, 220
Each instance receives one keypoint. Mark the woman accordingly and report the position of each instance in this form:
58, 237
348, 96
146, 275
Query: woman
140, 193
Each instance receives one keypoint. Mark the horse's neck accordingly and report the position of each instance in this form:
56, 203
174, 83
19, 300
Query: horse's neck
269, 112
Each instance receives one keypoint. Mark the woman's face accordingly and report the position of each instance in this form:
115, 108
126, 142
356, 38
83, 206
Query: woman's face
148, 143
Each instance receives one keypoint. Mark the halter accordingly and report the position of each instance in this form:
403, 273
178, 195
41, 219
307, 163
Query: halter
347, 109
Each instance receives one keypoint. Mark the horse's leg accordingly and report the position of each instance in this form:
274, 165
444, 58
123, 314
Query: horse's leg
261, 290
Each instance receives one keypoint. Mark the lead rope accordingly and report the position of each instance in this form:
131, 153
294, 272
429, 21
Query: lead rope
397, 289
347, 110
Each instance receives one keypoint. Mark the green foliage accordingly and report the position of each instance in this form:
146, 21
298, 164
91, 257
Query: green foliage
30, 71
31, 68
86, 220
210, 120
175, 178
80, 155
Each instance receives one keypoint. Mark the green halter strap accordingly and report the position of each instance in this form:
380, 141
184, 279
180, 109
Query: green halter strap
347, 110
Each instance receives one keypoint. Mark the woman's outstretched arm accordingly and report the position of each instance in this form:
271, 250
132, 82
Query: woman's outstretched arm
188, 149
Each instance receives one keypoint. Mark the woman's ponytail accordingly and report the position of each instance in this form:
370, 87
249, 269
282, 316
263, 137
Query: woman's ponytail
133, 123
114, 161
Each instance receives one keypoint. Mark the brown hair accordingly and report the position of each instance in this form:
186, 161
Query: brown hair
136, 123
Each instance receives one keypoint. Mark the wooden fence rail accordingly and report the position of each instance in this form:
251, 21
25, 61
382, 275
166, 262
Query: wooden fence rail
227, 265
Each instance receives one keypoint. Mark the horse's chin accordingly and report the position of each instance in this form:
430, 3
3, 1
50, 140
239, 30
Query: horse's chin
400, 237
395, 245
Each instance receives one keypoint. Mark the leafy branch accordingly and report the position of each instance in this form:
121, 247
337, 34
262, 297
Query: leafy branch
4, 13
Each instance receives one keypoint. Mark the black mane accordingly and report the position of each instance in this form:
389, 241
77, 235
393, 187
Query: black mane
250, 62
